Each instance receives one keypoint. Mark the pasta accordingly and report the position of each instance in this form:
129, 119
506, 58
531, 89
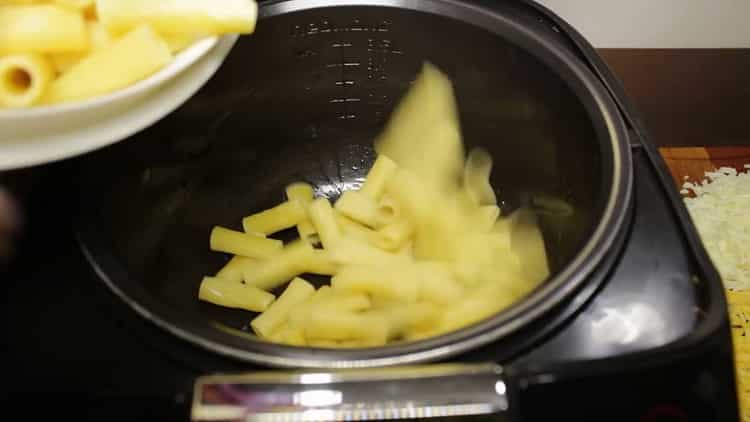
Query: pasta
359, 207
337, 325
382, 170
477, 177
23, 79
303, 193
131, 58
99, 40
355, 230
179, 16
82, 5
415, 253
235, 268
276, 314
277, 270
323, 219
283, 216
233, 294
238, 243
97, 47
318, 261
394, 235
389, 282
41, 28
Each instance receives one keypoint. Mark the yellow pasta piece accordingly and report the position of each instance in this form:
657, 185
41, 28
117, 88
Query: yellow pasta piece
394, 235
129, 59
353, 252
327, 298
302, 311
437, 284
342, 326
283, 216
319, 261
232, 294
482, 255
435, 219
477, 170
360, 208
485, 218
407, 250
357, 231
323, 218
42, 28
293, 336
416, 334
528, 243
24, 79
303, 193
235, 268
402, 318
99, 39
394, 282
388, 210
382, 170
296, 292
180, 16
280, 268
422, 134
179, 42
243, 244
343, 300
82, 5
479, 305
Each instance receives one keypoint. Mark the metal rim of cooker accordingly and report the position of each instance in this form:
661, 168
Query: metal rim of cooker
245, 347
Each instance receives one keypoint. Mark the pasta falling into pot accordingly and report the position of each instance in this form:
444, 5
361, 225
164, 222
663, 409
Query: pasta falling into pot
421, 249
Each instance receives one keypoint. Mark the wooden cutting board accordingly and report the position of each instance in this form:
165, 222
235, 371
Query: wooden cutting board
693, 163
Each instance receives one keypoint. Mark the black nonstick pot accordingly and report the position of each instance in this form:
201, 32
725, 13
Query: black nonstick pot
302, 99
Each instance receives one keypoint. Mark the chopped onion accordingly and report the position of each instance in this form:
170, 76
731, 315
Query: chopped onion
721, 213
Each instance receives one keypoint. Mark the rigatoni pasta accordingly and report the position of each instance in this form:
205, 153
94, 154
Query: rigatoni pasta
283, 216
377, 178
135, 56
24, 78
41, 28
243, 244
179, 16
97, 47
415, 253
278, 312
232, 294
303, 193
323, 219
99, 39
476, 178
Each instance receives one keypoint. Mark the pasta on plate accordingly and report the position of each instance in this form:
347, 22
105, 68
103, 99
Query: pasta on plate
57, 51
419, 250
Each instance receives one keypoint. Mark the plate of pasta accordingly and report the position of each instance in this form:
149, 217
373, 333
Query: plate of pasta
77, 75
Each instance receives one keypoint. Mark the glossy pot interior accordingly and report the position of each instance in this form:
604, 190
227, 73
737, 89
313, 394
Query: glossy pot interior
302, 99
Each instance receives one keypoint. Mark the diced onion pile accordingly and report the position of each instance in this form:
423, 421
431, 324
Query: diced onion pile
721, 212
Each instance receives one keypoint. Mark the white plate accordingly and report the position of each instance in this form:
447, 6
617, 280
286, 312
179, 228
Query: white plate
51, 140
